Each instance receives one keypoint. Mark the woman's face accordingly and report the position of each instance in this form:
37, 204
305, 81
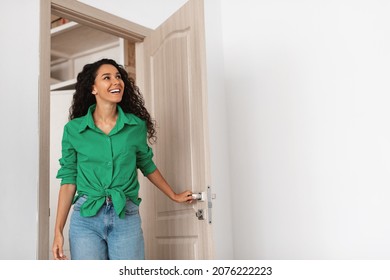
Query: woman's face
108, 86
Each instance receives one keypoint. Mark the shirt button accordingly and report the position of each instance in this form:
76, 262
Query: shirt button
109, 163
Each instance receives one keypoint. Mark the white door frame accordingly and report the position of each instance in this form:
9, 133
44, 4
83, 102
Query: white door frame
86, 15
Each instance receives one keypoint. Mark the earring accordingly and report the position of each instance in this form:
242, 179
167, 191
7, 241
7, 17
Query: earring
94, 92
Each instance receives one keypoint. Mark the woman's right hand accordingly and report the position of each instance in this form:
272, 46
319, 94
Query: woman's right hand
65, 198
57, 249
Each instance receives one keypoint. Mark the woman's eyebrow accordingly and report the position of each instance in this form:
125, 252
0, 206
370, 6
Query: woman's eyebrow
108, 74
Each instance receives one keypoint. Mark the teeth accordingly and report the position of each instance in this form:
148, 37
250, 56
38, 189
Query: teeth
115, 91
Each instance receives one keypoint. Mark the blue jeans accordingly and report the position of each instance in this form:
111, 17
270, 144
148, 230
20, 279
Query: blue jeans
106, 236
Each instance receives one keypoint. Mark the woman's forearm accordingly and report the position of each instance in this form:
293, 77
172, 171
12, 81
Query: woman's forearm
158, 180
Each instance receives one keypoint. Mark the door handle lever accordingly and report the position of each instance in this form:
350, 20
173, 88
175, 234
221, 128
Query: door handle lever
199, 196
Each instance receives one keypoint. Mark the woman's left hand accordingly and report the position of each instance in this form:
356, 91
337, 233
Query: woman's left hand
185, 196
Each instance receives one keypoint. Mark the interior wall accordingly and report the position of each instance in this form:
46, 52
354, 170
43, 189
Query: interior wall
19, 69
308, 87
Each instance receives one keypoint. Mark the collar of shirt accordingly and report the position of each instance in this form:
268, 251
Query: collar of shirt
121, 121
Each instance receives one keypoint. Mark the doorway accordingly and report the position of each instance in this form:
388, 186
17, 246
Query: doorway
179, 90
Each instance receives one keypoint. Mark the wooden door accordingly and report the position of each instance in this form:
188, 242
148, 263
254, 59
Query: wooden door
173, 79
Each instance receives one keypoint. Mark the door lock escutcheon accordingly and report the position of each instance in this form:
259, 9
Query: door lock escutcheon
200, 214
203, 196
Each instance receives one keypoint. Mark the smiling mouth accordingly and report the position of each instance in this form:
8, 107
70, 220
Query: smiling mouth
115, 91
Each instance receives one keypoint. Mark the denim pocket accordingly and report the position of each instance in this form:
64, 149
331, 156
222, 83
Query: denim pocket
131, 208
80, 201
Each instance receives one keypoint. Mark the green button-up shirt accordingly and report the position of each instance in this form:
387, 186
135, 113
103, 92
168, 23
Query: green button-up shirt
103, 165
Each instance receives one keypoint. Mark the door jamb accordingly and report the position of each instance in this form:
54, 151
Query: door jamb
92, 17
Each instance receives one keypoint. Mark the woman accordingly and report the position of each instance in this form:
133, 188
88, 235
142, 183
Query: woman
103, 145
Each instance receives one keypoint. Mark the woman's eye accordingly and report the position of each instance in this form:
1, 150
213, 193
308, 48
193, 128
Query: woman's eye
119, 77
106, 78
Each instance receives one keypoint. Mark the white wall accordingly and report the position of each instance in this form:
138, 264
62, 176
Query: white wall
308, 87
19, 68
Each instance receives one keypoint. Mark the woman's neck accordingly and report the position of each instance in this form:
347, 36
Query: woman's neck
105, 113
105, 118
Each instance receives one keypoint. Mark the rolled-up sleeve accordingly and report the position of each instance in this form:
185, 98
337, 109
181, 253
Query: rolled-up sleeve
68, 162
145, 155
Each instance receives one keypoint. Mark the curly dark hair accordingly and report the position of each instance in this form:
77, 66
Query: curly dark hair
132, 100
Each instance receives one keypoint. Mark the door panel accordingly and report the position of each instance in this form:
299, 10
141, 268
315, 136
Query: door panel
175, 91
